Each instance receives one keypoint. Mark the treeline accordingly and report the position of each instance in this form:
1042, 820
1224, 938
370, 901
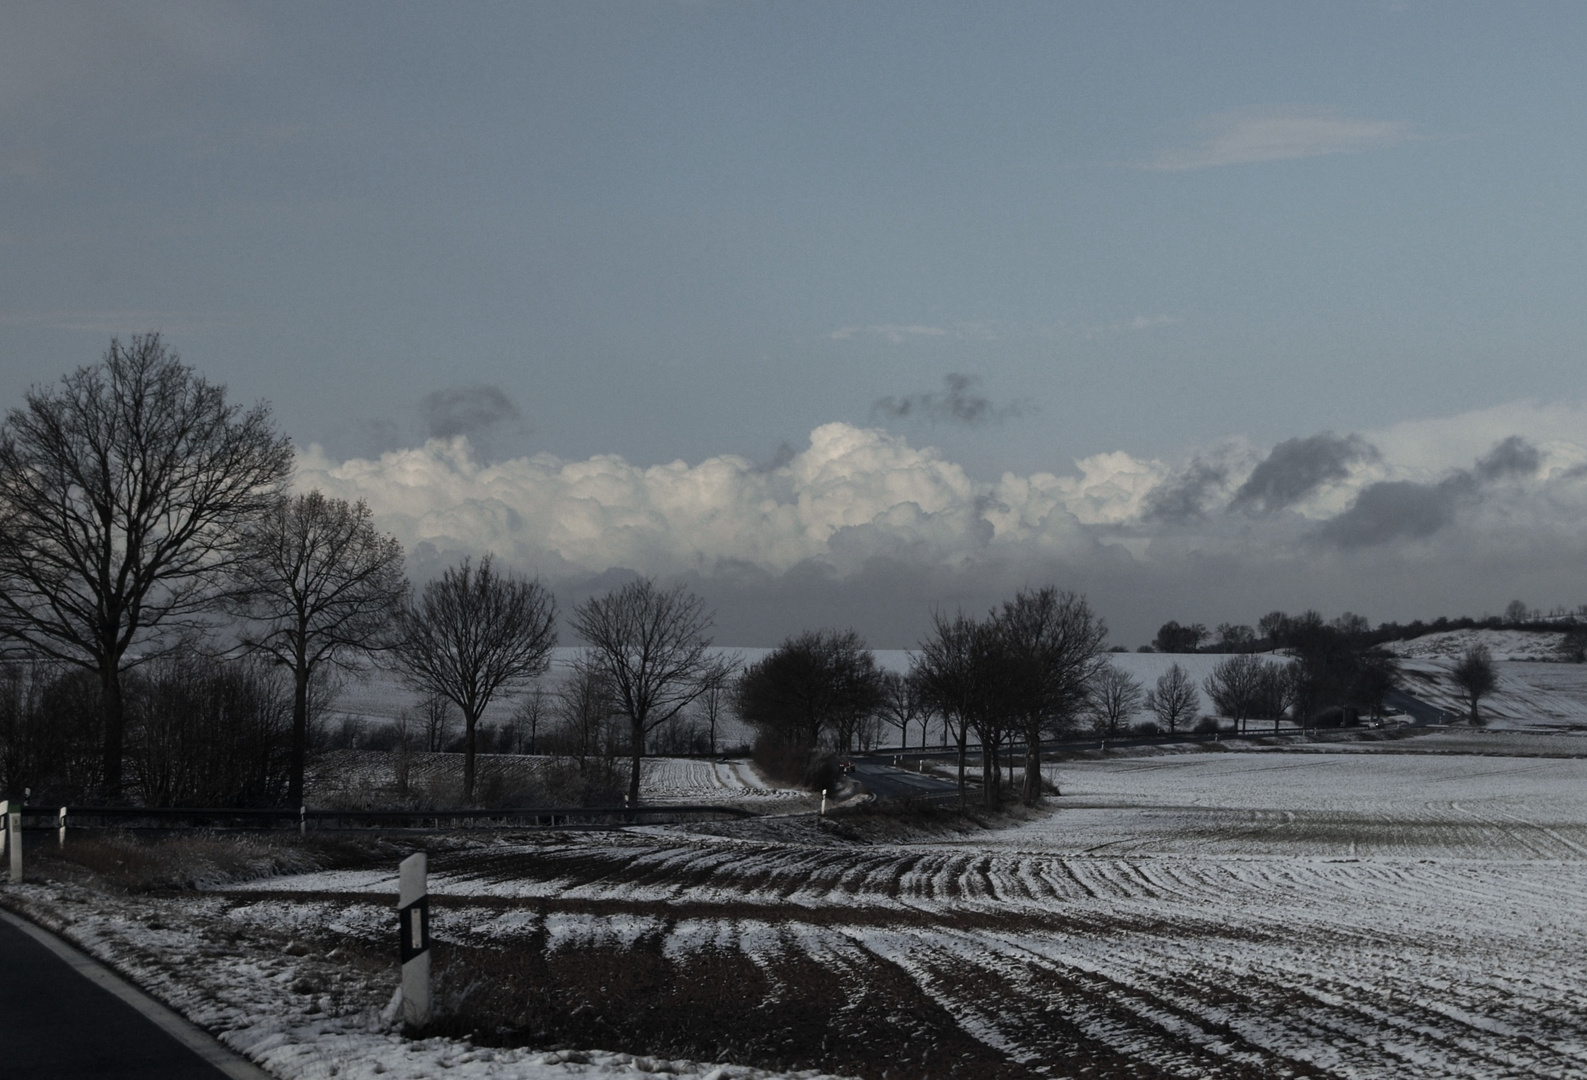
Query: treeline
161, 590
201, 731
1023, 673
1279, 630
1037, 669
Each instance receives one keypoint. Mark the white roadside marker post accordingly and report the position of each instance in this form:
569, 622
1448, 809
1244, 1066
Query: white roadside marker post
62, 834
823, 802
5, 830
15, 818
413, 921
303, 821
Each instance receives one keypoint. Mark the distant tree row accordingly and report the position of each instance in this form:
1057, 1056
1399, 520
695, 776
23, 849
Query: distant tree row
143, 519
1279, 630
1021, 674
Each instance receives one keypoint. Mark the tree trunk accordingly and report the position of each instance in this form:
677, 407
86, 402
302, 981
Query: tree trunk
468, 756
637, 741
1033, 765
963, 793
112, 714
300, 735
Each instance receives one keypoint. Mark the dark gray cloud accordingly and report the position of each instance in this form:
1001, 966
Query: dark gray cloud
960, 402
1396, 509
1183, 497
1404, 509
1297, 467
465, 410
1512, 457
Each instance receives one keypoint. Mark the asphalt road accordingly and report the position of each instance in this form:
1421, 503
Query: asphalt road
59, 1020
886, 782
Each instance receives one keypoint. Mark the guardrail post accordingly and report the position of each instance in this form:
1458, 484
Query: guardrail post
14, 817
413, 921
62, 834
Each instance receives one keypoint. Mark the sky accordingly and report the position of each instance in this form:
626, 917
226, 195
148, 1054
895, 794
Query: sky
849, 313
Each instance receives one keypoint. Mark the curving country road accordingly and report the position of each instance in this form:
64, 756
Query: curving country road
65, 1017
886, 782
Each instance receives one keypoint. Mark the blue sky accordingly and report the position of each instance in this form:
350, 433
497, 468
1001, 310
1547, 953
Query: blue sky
693, 230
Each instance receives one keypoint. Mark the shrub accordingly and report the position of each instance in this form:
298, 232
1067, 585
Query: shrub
1208, 725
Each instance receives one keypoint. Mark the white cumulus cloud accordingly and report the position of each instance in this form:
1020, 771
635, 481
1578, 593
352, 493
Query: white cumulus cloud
860, 527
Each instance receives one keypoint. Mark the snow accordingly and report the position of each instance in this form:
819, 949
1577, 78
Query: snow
1527, 694
1408, 908
248, 1001
1502, 644
368, 777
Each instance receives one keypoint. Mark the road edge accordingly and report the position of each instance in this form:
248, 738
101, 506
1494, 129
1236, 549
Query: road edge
168, 1020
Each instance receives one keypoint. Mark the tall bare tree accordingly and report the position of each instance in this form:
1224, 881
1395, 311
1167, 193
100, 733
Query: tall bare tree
955, 679
716, 701
123, 493
1235, 686
320, 586
475, 633
1174, 700
1115, 697
1053, 644
652, 646
902, 705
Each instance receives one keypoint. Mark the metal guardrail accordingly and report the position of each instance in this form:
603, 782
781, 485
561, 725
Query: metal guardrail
321, 818
1259, 729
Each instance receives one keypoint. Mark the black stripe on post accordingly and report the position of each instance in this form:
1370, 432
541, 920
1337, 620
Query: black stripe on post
413, 924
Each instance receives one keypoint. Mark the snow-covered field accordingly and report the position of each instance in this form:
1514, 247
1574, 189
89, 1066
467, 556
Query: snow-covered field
1529, 694
354, 778
1502, 644
1351, 914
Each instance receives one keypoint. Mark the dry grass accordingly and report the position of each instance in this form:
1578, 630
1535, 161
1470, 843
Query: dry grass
131, 863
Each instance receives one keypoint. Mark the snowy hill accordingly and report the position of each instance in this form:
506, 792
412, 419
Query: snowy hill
1537, 645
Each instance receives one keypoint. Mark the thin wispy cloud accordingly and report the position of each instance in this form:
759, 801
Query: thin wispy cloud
1278, 133
893, 332
1139, 322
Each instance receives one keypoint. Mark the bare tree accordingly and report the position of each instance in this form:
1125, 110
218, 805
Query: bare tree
1115, 697
716, 700
475, 633
584, 709
1234, 687
959, 683
1053, 647
319, 586
1235, 637
1174, 700
122, 496
436, 718
1275, 692
1476, 677
531, 713
902, 705
652, 646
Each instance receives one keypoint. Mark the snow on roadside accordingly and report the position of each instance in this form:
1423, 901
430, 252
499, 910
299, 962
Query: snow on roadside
303, 1017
